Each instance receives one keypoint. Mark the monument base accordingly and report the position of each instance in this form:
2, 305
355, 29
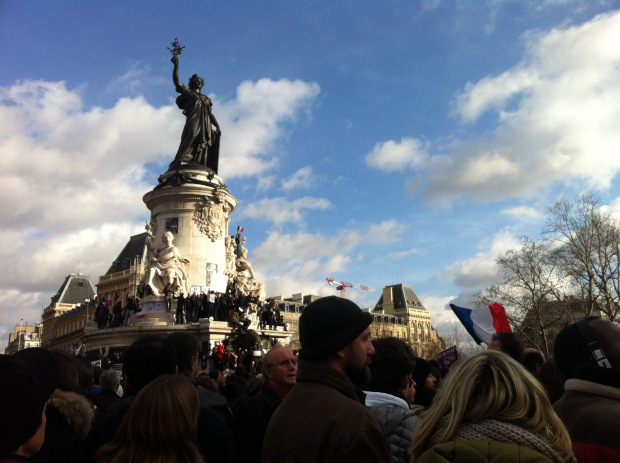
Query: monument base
154, 312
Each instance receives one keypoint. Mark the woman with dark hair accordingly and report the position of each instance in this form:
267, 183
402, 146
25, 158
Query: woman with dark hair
490, 408
389, 392
425, 384
160, 426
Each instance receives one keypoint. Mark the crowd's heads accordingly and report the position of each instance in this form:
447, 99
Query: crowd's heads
393, 361
206, 382
552, 380
149, 357
533, 360
70, 366
421, 371
590, 342
161, 421
86, 373
280, 368
491, 385
508, 343
109, 380
329, 324
186, 348
27, 380
168, 398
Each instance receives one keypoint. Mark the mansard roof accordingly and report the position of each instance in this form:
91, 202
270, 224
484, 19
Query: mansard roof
135, 247
74, 290
404, 298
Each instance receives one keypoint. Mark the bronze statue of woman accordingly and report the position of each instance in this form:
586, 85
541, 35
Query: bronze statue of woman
199, 142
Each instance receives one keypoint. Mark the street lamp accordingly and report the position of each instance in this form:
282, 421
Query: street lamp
20, 337
87, 302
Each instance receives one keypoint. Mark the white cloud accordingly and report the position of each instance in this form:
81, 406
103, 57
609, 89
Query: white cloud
391, 156
442, 317
281, 210
137, 77
288, 262
255, 121
265, 183
386, 232
481, 270
492, 93
409, 252
614, 208
302, 179
558, 120
428, 5
523, 212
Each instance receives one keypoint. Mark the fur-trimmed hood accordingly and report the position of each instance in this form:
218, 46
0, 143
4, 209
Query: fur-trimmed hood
76, 409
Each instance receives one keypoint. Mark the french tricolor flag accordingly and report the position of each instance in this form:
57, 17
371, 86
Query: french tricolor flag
482, 324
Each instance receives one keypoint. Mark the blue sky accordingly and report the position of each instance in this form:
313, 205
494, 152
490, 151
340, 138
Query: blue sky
374, 142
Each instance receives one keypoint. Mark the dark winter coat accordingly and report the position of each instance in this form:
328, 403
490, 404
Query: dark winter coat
591, 413
104, 401
323, 420
252, 415
70, 416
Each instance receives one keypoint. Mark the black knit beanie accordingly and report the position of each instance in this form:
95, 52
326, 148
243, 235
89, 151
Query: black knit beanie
329, 324
421, 371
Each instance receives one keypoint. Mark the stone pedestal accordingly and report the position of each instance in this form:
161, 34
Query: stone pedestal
153, 313
194, 204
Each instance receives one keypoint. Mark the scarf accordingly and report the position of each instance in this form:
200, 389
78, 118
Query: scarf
493, 430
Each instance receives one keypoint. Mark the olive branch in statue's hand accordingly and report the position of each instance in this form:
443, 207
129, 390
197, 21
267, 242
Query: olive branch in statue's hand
176, 47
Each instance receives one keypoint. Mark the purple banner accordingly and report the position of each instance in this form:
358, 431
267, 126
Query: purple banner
447, 357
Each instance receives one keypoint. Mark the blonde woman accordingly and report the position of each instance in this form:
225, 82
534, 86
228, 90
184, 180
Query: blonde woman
490, 408
160, 426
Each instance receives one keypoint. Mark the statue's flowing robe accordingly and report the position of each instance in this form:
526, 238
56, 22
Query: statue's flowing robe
198, 141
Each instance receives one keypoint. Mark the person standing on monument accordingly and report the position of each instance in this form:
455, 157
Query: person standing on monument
168, 293
180, 314
199, 142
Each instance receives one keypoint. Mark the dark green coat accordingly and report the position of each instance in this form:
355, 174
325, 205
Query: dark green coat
482, 451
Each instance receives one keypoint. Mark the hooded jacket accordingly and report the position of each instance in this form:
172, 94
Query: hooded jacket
397, 420
70, 416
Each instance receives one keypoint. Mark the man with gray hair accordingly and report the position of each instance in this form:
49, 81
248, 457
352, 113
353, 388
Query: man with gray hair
253, 411
323, 419
109, 383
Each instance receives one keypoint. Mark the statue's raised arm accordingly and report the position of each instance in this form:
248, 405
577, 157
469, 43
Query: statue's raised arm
200, 143
175, 73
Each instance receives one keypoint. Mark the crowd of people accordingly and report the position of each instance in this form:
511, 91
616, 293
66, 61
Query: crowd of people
228, 306
342, 398
116, 314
